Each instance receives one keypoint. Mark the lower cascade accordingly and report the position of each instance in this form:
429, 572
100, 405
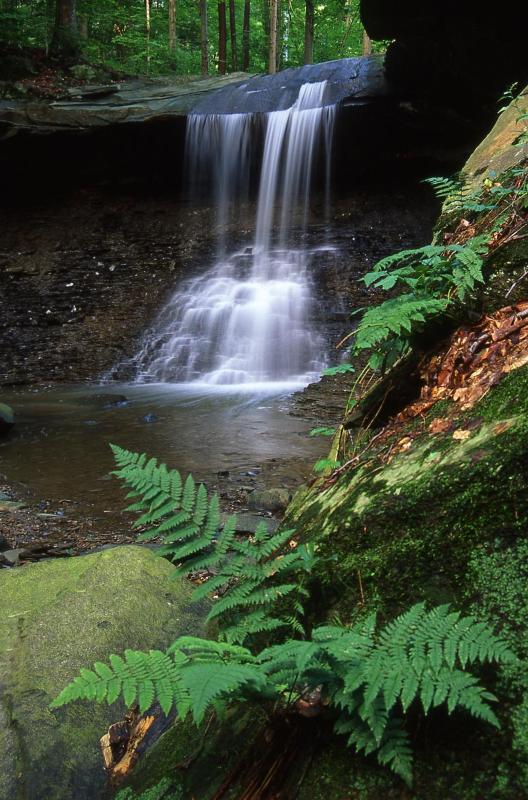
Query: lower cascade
247, 320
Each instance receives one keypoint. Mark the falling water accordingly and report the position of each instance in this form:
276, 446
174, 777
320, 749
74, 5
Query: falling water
247, 320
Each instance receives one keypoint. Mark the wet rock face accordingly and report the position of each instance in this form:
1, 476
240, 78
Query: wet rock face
83, 277
462, 54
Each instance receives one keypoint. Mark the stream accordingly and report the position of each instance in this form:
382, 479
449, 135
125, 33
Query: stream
58, 455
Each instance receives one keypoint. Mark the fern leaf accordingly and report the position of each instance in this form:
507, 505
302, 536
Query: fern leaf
206, 683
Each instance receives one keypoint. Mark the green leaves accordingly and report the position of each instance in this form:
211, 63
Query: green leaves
139, 676
436, 276
341, 369
251, 574
322, 431
368, 677
371, 678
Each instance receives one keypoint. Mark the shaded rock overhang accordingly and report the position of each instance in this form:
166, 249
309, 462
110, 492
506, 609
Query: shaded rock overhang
135, 132
462, 54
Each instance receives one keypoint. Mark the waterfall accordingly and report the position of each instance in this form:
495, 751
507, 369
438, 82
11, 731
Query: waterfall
247, 319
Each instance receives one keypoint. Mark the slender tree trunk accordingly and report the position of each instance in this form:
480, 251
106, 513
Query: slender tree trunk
274, 18
222, 37
245, 35
367, 44
65, 42
204, 37
232, 30
172, 26
147, 31
83, 27
264, 6
309, 32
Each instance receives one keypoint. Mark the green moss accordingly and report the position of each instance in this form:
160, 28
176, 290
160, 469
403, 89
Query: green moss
408, 527
60, 616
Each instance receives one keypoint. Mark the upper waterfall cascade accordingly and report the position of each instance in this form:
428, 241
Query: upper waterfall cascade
247, 319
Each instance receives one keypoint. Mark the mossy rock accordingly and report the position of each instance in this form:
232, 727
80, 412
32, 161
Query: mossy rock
57, 617
501, 150
409, 526
7, 418
391, 534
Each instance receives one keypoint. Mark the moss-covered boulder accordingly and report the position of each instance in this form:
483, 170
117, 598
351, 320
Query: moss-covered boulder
408, 523
57, 617
7, 418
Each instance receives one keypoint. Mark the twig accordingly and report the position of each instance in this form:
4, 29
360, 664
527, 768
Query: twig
361, 588
333, 477
516, 283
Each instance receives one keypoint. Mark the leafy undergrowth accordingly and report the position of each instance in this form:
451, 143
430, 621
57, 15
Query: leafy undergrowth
29, 73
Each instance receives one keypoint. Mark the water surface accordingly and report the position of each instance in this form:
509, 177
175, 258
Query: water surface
58, 451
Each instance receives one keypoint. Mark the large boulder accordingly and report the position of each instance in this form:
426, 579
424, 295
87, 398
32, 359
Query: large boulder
57, 617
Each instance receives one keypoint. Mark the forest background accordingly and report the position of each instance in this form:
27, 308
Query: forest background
187, 37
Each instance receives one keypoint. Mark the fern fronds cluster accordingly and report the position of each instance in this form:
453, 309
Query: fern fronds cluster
456, 196
368, 678
435, 276
252, 574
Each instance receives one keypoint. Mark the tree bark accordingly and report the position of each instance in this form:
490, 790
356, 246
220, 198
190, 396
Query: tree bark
172, 26
367, 44
83, 27
204, 37
245, 35
274, 18
232, 30
65, 41
309, 32
222, 37
147, 31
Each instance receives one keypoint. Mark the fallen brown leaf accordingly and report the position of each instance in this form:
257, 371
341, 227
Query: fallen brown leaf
440, 425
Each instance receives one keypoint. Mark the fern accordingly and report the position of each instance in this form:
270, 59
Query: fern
456, 196
138, 677
369, 678
435, 276
251, 573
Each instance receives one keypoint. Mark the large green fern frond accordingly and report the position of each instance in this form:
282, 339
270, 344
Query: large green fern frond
138, 677
247, 575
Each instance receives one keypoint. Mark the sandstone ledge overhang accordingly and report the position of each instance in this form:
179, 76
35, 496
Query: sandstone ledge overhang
138, 101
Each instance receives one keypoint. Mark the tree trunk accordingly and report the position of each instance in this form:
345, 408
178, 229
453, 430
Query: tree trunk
222, 37
309, 32
147, 31
204, 37
232, 30
65, 41
367, 44
172, 26
83, 27
245, 36
274, 15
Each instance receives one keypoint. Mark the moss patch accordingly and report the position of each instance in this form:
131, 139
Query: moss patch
59, 616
